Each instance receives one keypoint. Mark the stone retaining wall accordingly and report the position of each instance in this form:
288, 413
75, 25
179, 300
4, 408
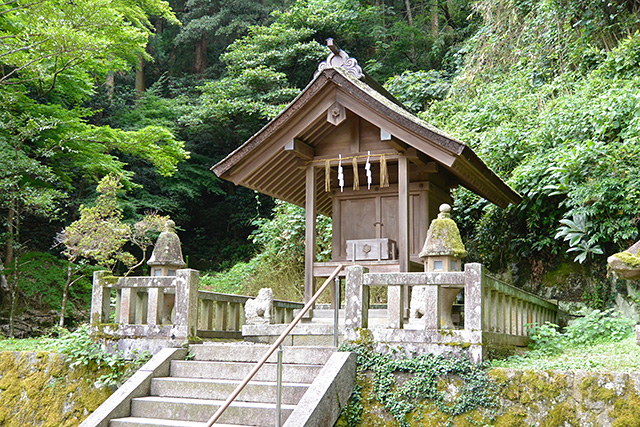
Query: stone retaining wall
531, 398
42, 389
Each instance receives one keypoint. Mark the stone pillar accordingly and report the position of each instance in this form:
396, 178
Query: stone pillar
127, 306
156, 304
432, 314
186, 314
473, 297
100, 298
356, 298
395, 306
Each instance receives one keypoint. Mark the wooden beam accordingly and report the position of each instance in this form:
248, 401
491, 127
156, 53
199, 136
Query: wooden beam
421, 159
439, 153
310, 233
355, 134
300, 149
404, 227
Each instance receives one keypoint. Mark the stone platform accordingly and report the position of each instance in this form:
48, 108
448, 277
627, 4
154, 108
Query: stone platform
317, 332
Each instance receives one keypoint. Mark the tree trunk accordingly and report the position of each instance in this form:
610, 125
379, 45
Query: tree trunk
65, 295
435, 24
201, 55
407, 5
140, 79
110, 82
11, 258
12, 303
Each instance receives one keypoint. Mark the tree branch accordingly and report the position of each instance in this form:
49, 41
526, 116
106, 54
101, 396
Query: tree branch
18, 7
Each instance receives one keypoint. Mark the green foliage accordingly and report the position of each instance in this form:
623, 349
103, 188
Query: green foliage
416, 90
81, 347
283, 235
42, 280
99, 234
567, 144
423, 384
546, 338
575, 230
279, 264
52, 45
594, 327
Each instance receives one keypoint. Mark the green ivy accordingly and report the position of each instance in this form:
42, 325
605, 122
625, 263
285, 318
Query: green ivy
426, 371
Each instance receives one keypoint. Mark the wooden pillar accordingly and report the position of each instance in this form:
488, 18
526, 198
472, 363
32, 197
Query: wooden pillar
404, 246
310, 233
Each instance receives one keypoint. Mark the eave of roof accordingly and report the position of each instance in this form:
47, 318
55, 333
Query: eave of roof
466, 165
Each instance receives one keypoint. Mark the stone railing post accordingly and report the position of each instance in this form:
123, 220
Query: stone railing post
186, 310
356, 298
473, 297
432, 297
100, 298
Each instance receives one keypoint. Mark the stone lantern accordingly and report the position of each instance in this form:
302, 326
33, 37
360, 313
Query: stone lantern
443, 251
166, 260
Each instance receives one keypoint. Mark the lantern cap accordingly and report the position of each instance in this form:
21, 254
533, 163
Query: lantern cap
167, 250
443, 237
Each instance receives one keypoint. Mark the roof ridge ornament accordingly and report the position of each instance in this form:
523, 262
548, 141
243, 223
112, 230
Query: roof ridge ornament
340, 58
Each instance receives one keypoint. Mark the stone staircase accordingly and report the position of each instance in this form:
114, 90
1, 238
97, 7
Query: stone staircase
198, 386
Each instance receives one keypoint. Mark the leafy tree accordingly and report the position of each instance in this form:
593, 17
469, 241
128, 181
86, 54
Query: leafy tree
52, 55
100, 235
217, 23
567, 140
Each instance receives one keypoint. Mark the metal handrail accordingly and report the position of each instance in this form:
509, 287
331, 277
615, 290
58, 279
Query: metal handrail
273, 348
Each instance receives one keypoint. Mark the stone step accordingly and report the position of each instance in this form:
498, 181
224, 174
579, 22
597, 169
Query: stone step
220, 389
223, 352
156, 422
297, 373
200, 410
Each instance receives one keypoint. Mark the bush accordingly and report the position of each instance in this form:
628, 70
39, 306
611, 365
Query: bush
42, 279
280, 263
83, 350
594, 327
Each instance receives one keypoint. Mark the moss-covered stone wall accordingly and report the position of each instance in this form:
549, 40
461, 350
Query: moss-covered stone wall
42, 389
528, 398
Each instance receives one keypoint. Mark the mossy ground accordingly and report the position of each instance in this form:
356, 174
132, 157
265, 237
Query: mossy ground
41, 389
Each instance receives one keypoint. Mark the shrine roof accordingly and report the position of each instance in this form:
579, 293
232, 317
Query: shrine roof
263, 164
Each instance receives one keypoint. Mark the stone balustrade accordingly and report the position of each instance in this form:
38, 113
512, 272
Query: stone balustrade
170, 308
222, 315
495, 313
146, 307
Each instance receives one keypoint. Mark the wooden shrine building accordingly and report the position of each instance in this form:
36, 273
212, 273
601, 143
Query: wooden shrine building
342, 125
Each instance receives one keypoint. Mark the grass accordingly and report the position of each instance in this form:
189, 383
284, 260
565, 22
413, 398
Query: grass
28, 344
617, 356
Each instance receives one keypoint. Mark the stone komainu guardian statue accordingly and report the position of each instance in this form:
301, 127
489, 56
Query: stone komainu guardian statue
258, 311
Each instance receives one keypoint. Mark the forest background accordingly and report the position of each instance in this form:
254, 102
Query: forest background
547, 92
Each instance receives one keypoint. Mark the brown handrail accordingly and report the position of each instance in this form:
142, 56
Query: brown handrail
273, 348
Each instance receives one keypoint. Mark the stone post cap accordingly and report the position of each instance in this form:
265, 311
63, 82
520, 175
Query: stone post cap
443, 237
445, 211
626, 264
167, 250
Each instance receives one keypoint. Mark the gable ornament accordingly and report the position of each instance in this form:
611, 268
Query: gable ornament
338, 58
